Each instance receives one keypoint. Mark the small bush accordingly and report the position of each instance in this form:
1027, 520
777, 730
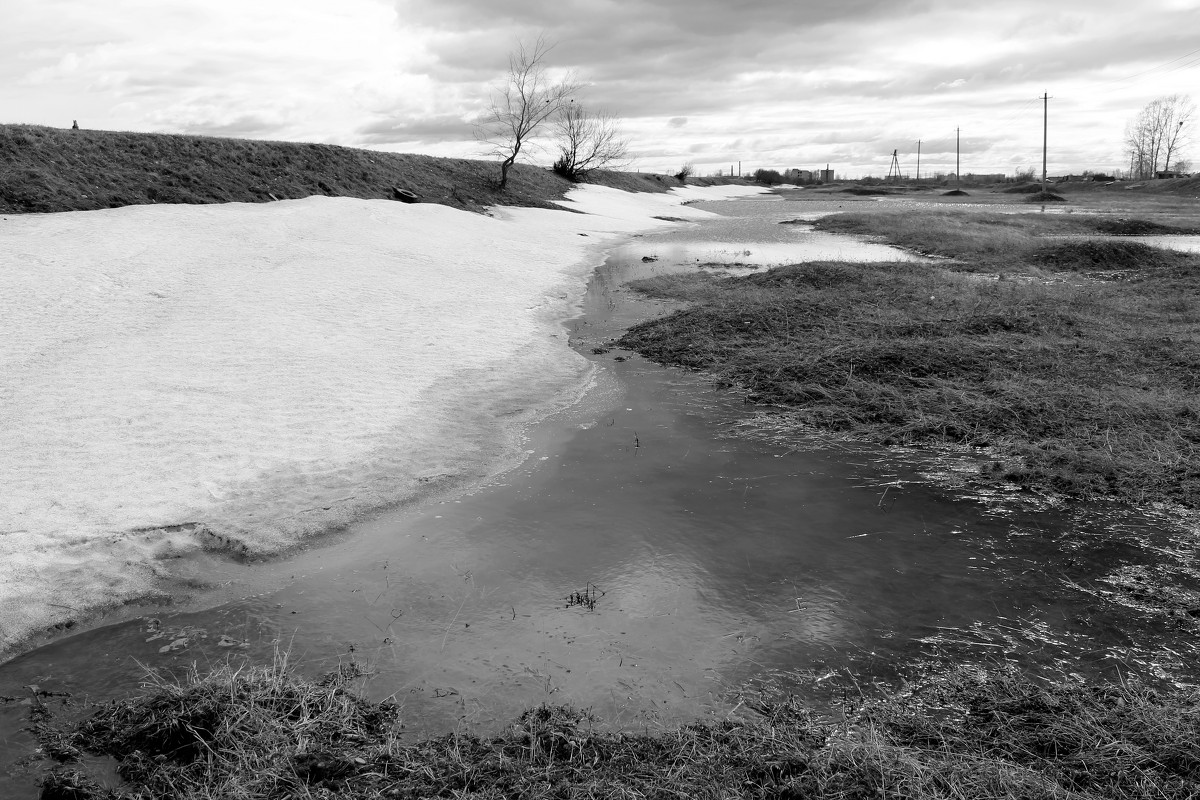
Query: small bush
562, 167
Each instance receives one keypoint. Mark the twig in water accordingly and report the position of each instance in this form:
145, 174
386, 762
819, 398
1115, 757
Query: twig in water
453, 620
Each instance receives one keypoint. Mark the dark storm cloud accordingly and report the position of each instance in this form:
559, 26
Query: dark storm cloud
627, 21
662, 41
686, 57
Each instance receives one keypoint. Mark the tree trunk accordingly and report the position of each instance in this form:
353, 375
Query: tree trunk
505, 166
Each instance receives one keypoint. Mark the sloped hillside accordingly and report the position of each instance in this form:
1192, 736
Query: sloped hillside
52, 169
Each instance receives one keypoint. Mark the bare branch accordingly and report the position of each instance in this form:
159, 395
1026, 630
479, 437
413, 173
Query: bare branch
528, 97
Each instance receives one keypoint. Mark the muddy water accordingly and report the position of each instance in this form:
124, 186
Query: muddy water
718, 548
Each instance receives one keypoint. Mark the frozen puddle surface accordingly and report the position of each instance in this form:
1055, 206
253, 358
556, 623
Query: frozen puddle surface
240, 376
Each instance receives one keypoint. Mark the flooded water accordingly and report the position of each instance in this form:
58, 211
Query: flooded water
710, 546
1184, 243
764, 232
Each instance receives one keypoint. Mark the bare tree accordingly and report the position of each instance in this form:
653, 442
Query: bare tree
587, 141
1157, 133
528, 98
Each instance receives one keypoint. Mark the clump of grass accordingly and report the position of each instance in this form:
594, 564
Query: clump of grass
239, 732
1045, 197
1087, 389
1100, 256
988, 237
964, 734
1139, 227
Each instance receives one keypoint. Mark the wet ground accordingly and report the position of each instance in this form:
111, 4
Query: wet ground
664, 544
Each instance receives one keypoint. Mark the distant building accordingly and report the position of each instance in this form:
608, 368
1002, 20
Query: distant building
826, 176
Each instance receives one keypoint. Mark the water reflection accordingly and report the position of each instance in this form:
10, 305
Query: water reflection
757, 233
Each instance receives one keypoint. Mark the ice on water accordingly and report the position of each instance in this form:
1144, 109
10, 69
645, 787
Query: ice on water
241, 376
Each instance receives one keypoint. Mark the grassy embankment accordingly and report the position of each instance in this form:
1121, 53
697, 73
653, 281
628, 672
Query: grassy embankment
1076, 362
262, 733
51, 169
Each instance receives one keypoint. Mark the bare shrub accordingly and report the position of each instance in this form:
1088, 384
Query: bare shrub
587, 141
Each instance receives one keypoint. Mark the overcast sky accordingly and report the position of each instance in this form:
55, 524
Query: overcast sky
769, 83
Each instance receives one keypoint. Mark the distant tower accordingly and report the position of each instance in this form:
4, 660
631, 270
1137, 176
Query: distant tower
74, 124
894, 169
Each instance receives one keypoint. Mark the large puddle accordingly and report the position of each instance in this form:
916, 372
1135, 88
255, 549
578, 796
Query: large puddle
704, 558
763, 232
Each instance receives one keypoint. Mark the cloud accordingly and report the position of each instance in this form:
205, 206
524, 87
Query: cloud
773, 79
954, 84
424, 129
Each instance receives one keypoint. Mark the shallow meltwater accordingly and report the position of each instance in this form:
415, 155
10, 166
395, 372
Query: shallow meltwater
762, 232
1184, 243
663, 545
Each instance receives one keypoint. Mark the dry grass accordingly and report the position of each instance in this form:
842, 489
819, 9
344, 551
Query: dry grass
50, 169
1090, 388
245, 733
995, 242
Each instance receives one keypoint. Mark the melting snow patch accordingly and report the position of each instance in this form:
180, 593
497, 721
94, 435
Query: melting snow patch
240, 376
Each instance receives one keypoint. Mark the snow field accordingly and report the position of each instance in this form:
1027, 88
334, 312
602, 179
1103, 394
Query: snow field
242, 376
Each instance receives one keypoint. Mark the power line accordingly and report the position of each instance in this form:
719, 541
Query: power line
1160, 66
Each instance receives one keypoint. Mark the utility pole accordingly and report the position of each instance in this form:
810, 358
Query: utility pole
1045, 129
957, 169
918, 160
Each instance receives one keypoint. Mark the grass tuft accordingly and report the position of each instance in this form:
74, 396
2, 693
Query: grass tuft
247, 733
